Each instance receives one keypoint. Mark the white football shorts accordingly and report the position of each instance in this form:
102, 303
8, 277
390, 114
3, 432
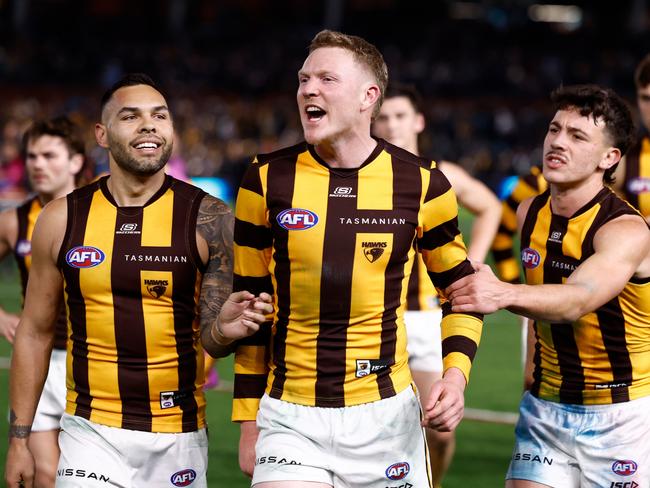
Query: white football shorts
95, 455
51, 405
373, 444
566, 446
424, 345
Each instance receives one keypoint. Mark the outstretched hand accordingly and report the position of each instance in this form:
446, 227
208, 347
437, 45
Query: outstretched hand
481, 292
242, 314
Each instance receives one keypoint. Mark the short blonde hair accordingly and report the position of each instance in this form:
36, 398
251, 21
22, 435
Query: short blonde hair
363, 51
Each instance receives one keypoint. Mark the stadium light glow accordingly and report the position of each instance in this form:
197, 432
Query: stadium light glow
569, 15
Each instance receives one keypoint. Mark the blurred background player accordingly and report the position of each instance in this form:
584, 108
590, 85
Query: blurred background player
633, 177
399, 122
53, 151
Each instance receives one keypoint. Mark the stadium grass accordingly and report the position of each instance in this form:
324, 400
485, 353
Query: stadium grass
483, 449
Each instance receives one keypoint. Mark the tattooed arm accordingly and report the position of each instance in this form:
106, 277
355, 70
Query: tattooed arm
214, 229
225, 316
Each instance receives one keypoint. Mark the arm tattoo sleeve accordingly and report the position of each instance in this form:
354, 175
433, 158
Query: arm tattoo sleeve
16, 430
215, 224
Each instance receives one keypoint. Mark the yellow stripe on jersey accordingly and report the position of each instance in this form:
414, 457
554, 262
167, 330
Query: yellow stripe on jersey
102, 366
157, 222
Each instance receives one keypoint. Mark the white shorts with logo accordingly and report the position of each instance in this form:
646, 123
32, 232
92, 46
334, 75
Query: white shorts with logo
51, 405
567, 446
94, 455
424, 344
378, 444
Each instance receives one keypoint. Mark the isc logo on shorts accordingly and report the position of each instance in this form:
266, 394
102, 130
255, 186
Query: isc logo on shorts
84, 257
624, 467
530, 258
297, 219
397, 471
183, 478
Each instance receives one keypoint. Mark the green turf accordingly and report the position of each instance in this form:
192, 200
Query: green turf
482, 451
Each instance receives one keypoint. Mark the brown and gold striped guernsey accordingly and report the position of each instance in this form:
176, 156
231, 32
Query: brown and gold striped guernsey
637, 176
27, 214
603, 357
506, 264
336, 247
132, 279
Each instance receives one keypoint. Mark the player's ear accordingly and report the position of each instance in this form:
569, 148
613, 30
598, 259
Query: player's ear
419, 122
101, 135
611, 157
76, 163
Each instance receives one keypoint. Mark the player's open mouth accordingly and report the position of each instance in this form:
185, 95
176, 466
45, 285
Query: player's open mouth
554, 160
314, 113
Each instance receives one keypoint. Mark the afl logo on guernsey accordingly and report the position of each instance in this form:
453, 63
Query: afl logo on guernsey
84, 257
530, 258
297, 219
183, 478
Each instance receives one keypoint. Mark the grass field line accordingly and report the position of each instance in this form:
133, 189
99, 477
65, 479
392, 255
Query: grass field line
5, 361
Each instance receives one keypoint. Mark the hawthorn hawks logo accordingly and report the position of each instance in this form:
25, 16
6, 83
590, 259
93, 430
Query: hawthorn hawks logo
373, 250
156, 288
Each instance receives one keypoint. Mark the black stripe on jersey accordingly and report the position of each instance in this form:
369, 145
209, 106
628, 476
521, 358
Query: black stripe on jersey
280, 183
531, 217
183, 226
255, 285
439, 235
512, 203
250, 386
76, 302
445, 278
461, 344
22, 213
406, 181
537, 363
132, 376
251, 180
612, 326
335, 301
251, 235
502, 255
261, 338
573, 378
413, 292
505, 230
446, 310
632, 171
438, 185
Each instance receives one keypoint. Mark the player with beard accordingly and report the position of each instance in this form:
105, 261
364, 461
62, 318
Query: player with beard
137, 253
54, 158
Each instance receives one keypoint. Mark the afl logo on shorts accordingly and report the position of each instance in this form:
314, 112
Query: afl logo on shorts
297, 219
183, 478
624, 467
530, 258
84, 257
397, 471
